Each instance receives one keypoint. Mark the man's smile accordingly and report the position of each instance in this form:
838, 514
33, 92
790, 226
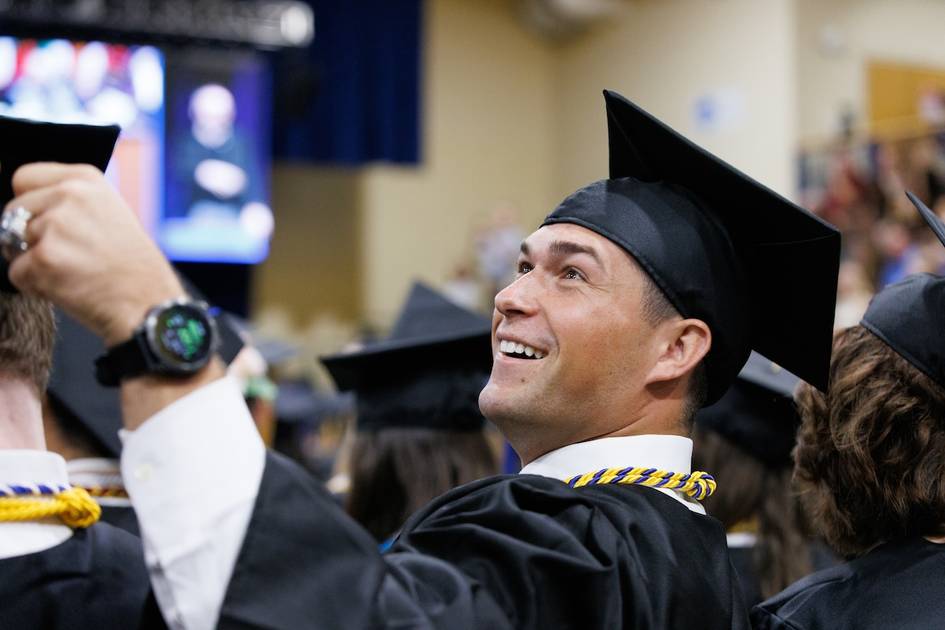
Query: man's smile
519, 350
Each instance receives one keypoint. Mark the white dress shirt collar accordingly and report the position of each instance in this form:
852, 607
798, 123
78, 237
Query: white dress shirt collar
98, 472
663, 452
28, 467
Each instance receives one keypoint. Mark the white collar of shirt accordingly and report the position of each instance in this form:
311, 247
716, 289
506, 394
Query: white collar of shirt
31, 467
91, 472
663, 452
741, 540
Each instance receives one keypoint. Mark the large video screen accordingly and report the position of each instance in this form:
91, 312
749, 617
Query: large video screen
217, 184
192, 158
96, 83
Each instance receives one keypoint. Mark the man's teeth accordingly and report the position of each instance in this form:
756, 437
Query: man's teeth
510, 347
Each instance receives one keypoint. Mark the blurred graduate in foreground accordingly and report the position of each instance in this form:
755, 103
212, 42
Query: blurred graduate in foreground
419, 431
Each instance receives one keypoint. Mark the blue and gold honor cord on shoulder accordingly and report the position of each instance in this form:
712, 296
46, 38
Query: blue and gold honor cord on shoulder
696, 484
33, 502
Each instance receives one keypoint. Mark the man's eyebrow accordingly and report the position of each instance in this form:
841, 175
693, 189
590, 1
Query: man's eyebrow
524, 248
565, 248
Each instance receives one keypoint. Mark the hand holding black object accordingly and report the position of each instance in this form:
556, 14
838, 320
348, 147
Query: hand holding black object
24, 141
88, 253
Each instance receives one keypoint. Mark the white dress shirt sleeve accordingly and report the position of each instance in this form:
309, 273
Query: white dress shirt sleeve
193, 472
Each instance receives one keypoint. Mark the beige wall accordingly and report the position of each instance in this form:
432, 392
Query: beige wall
314, 265
667, 54
835, 40
488, 137
509, 116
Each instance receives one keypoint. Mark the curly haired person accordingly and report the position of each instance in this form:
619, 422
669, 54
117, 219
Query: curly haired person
870, 464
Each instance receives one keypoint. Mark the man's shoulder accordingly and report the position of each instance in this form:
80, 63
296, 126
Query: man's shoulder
794, 604
101, 552
100, 542
867, 592
625, 507
620, 539
99, 570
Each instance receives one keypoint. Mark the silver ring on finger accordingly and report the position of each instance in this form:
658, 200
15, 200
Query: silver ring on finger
13, 225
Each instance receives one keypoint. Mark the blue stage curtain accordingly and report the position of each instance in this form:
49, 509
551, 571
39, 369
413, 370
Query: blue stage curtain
354, 95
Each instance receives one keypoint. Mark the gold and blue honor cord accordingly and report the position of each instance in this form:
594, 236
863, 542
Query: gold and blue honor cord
33, 502
696, 484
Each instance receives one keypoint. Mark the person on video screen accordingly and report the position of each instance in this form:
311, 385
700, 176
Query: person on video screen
224, 186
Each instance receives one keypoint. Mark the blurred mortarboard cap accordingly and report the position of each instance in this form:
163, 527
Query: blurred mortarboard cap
427, 373
299, 403
909, 316
26, 141
757, 414
758, 269
273, 351
75, 393
431, 331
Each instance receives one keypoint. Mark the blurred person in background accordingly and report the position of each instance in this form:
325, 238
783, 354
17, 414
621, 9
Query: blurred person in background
854, 291
60, 568
870, 464
250, 369
497, 246
418, 430
746, 440
895, 246
216, 161
464, 288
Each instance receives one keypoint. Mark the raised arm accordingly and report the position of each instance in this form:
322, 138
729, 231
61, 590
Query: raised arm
192, 459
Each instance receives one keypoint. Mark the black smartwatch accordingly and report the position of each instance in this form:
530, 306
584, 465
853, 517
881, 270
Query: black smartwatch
176, 339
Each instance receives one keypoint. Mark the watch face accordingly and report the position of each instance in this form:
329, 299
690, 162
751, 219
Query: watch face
182, 336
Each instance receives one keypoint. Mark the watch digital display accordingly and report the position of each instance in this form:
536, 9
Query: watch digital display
182, 335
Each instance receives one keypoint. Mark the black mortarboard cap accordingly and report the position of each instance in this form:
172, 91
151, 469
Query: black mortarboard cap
427, 373
25, 141
909, 316
758, 269
757, 414
77, 396
297, 402
274, 351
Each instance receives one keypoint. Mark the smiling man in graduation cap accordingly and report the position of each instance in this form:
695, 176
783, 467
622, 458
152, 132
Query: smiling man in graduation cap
637, 301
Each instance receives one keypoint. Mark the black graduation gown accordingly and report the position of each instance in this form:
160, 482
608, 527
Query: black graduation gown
121, 517
94, 580
899, 585
506, 552
743, 559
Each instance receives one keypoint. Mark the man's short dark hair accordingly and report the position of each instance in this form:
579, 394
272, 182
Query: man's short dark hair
657, 309
27, 337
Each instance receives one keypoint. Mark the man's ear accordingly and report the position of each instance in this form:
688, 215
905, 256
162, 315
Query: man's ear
685, 343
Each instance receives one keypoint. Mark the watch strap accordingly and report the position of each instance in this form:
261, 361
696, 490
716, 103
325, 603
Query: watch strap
125, 360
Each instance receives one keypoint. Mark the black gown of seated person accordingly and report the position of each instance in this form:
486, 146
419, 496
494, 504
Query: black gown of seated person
505, 552
898, 585
121, 517
95, 580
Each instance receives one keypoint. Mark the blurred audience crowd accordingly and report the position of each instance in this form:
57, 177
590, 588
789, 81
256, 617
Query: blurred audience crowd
859, 187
